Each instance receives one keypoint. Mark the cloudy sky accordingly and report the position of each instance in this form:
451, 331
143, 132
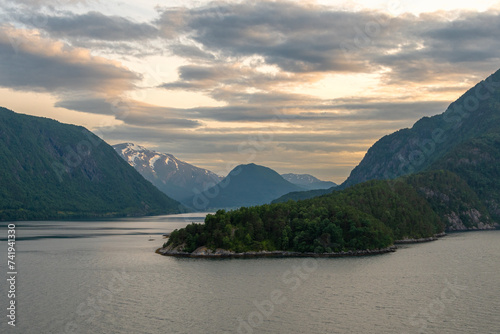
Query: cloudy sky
298, 86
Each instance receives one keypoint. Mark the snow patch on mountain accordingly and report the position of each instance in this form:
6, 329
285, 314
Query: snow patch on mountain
153, 161
174, 177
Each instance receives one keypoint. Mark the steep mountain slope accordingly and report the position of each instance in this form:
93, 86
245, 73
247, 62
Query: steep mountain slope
407, 151
174, 177
477, 162
464, 140
51, 170
308, 181
245, 185
452, 199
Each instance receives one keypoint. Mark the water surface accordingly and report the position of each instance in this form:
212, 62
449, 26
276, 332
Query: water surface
104, 277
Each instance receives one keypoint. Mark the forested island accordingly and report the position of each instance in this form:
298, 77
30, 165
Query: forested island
367, 217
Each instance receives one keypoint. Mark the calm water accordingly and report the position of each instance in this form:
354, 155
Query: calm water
104, 277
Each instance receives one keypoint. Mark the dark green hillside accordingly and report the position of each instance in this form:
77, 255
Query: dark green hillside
51, 170
396, 204
477, 162
452, 199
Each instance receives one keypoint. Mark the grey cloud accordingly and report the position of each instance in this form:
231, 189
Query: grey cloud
37, 3
366, 109
322, 147
191, 52
31, 63
131, 112
93, 25
219, 77
91, 105
350, 134
163, 121
295, 37
343, 110
172, 21
470, 26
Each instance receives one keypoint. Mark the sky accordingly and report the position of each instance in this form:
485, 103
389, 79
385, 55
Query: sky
297, 86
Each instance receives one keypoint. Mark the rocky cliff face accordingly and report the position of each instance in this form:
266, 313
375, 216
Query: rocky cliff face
453, 199
477, 162
456, 221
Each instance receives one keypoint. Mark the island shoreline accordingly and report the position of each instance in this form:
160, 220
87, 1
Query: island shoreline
220, 254
224, 254
417, 241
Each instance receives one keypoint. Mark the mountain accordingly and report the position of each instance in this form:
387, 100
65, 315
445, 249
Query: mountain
50, 170
308, 181
464, 140
174, 177
475, 114
245, 185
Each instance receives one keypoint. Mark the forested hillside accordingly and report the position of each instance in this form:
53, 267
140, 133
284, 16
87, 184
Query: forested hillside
50, 170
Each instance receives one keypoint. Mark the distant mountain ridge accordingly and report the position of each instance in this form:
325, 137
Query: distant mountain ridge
245, 185
50, 170
308, 181
176, 178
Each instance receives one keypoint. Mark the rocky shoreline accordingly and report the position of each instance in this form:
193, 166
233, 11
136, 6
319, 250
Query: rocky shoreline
416, 241
204, 252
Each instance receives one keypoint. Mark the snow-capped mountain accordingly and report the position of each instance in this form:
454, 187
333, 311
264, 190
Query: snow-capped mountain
308, 181
176, 178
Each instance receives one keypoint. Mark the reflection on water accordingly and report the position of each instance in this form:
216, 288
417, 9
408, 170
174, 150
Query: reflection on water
104, 277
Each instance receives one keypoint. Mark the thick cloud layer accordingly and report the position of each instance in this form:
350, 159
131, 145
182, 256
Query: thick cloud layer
93, 25
33, 63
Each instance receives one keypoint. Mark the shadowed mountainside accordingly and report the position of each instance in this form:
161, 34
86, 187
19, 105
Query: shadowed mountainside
50, 170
